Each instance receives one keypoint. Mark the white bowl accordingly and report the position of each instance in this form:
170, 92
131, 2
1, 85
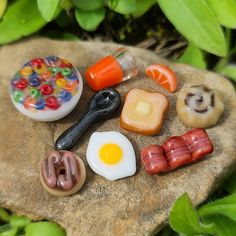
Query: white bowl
33, 79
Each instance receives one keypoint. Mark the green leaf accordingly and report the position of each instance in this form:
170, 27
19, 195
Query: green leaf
3, 5
167, 231
142, 7
4, 216
193, 56
69, 36
230, 183
89, 20
66, 4
19, 221
88, 5
197, 22
21, 18
225, 11
225, 206
5, 227
63, 20
184, 219
8, 230
223, 226
123, 6
44, 229
48, 8
229, 71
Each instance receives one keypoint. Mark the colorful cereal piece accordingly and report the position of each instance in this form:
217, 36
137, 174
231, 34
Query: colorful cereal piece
66, 71
177, 152
46, 89
18, 96
70, 86
55, 70
60, 82
163, 75
29, 102
52, 61
198, 143
26, 71
47, 74
64, 95
36, 88
34, 81
65, 63
72, 77
143, 112
40, 104
34, 93
38, 65
52, 102
153, 159
22, 84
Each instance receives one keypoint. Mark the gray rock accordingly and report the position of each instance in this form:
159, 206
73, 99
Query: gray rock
138, 205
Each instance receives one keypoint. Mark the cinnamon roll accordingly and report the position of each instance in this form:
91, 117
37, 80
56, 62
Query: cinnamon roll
199, 107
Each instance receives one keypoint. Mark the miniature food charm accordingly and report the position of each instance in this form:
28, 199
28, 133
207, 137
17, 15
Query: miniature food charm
46, 89
111, 70
154, 159
198, 143
143, 112
62, 173
176, 151
111, 155
163, 75
102, 106
199, 107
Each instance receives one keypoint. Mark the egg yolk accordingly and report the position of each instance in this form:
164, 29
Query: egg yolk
110, 153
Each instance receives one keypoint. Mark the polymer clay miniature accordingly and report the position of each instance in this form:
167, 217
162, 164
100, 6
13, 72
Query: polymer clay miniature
154, 159
143, 112
102, 106
163, 75
62, 173
111, 155
176, 151
46, 89
111, 70
199, 106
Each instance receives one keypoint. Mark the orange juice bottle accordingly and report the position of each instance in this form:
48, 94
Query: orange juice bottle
111, 70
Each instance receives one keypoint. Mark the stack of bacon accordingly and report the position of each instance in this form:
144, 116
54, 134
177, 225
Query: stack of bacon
176, 151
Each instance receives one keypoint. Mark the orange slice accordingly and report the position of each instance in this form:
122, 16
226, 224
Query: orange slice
163, 75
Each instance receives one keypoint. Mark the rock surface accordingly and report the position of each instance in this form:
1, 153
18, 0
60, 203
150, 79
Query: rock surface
133, 206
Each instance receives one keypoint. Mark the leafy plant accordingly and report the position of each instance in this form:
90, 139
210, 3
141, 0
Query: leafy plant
206, 24
216, 217
15, 225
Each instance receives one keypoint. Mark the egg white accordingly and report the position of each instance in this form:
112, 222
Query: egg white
124, 168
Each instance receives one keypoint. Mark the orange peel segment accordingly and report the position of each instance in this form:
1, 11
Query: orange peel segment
163, 75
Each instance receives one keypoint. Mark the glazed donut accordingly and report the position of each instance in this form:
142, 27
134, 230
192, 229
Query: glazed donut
62, 173
199, 107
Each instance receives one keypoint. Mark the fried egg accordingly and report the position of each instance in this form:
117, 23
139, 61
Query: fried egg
111, 155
